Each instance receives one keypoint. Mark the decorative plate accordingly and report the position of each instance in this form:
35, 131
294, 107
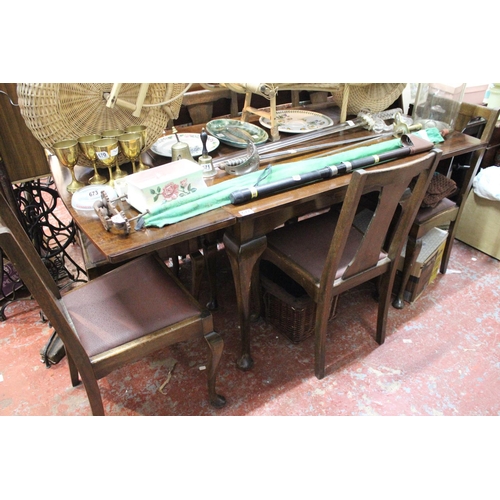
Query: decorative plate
163, 146
296, 121
83, 199
225, 131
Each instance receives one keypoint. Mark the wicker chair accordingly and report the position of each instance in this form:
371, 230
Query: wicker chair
350, 97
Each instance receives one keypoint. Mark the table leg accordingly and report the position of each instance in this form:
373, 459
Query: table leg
209, 243
243, 257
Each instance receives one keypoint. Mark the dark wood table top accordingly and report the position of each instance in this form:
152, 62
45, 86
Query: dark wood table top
321, 194
119, 247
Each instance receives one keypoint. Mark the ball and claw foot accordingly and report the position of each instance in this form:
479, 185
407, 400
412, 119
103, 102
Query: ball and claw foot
245, 363
398, 303
218, 402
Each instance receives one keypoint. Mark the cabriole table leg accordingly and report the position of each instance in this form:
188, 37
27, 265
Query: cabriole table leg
243, 258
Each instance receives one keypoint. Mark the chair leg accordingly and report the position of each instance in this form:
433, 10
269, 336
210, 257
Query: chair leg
412, 251
320, 328
386, 283
210, 256
73, 371
197, 268
216, 345
448, 247
94, 395
175, 265
245, 113
255, 294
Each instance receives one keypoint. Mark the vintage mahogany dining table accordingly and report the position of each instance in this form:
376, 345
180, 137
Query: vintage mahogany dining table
244, 226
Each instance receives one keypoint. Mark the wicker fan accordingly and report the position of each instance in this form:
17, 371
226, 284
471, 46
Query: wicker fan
57, 111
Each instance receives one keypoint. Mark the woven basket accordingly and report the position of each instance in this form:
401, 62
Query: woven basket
372, 96
292, 316
57, 111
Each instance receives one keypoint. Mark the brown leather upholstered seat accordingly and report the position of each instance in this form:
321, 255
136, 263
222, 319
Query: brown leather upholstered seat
117, 318
331, 253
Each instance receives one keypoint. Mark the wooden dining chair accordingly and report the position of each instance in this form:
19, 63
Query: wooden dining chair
447, 212
338, 250
115, 319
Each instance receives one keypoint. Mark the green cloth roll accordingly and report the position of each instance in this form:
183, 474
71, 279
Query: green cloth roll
217, 195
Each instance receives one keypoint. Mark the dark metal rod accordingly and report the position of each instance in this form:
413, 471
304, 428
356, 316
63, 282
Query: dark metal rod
247, 194
316, 147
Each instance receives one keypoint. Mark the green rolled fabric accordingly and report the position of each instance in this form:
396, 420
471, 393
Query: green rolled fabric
218, 195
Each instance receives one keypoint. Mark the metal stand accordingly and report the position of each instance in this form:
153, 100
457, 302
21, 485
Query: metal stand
11, 283
51, 236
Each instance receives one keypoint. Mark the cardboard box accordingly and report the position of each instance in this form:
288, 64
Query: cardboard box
479, 225
476, 93
426, 267
153, 187
473, 94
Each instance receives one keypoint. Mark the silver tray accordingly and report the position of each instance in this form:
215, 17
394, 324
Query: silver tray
297, 121
225, 130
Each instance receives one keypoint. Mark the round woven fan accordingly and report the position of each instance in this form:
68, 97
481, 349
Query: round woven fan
372, 96
57, 111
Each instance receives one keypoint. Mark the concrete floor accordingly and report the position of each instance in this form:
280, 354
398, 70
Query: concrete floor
441, 357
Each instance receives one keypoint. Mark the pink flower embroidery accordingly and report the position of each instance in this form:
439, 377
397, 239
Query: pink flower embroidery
170, 191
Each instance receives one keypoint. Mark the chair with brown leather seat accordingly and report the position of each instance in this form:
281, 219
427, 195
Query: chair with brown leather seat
447, 212
336, 251
115, 319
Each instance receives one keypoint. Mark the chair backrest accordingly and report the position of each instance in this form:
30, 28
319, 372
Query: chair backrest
474, 128
20, 250
391, 183
466, 114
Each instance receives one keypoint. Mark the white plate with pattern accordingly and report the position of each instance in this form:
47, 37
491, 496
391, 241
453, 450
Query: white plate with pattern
297, 121
163, 146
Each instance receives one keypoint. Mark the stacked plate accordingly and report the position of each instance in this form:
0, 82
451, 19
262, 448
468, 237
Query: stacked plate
83, 200
236, 133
